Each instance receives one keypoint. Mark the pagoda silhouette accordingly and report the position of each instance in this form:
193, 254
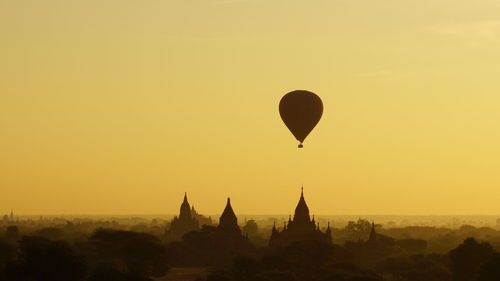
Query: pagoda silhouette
301, 228
184, 223
228, 233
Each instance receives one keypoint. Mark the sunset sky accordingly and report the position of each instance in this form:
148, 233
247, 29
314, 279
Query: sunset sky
120, 106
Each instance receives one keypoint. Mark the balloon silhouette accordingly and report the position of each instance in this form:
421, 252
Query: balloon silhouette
301, 110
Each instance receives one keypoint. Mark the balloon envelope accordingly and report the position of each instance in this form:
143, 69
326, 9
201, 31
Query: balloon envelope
301, 110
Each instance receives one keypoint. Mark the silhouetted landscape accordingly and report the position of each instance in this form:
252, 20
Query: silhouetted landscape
191, 246
249, 140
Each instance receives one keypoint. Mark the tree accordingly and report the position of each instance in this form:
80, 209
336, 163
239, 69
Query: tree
44, 260
250, 228
7, 254
412, 245
468, 257
308, 254
139, 255
358, 230
12, 233
245, 268
490, 270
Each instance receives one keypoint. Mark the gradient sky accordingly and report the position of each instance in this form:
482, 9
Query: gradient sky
119, 106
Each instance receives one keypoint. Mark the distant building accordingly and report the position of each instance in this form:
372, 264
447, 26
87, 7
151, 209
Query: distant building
300, 228
202, 220
228, 233
372, 239
184, 223
379, 242
9, 218
250, 228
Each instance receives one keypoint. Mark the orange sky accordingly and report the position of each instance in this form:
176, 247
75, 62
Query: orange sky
118, 107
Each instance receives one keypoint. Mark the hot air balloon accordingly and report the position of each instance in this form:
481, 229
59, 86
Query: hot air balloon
301, 110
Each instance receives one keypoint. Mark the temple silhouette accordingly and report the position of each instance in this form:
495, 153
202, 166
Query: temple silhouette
187, 221
228, 233
300, 228
9, 218
372, 239
202, 220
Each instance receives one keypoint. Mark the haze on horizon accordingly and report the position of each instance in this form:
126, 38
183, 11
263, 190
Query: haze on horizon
119, 107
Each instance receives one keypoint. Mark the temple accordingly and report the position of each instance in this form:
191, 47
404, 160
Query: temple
372, 239
300, 228
228, 233
202, 220
6, 218
184, 223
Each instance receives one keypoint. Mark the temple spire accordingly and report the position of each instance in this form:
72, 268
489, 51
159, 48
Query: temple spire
228, 216
301, 227
185, 211
373, 235
328, 233
183, 223
302, 211
228, 223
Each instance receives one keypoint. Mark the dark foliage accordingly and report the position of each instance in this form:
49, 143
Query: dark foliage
467, 258
118, 255
43, 260
490, 270
136, 254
